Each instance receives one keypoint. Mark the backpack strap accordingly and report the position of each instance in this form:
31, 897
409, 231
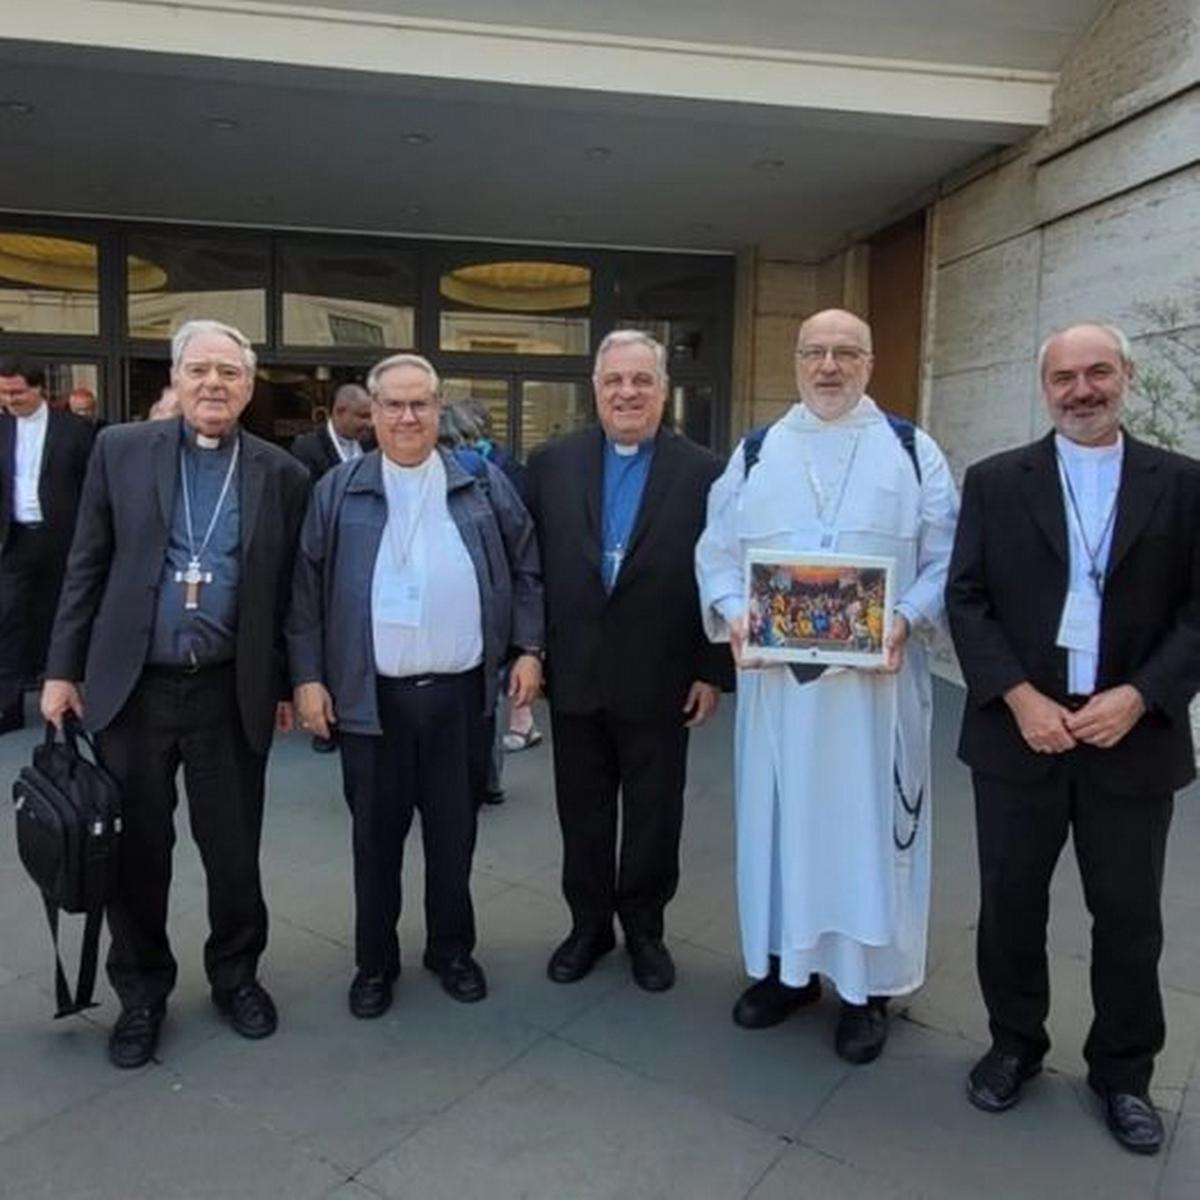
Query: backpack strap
472, 462
905, 431
68, 1005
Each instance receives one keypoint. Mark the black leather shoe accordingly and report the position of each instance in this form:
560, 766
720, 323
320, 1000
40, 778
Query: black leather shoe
494, 796
862, 1031
1133, 1120
12, 719
322, 745
370, 995
653, 970
134, 1037
249, 1009
769, 1002
461, 976
994, 1083
578, 954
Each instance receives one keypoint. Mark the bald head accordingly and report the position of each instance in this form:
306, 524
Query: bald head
833, 362
351, 414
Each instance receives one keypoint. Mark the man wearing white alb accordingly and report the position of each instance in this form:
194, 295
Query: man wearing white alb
832, 765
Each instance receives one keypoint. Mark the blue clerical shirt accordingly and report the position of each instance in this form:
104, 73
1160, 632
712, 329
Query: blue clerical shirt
625, 475
206, 635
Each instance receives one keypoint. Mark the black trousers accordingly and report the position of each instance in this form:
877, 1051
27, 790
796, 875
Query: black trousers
421, 761
596, 758
1120, 845
174, 719
31, 571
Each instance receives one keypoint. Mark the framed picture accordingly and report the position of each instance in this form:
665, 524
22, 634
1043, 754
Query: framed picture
818, 608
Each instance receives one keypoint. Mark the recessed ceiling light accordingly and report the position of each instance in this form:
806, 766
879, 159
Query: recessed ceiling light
224, 123
598, 152
560, 219
768, 164
18, 108
416, 139
412, 210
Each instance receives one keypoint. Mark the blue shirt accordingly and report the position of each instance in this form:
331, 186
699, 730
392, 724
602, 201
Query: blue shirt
205, 635
625, 478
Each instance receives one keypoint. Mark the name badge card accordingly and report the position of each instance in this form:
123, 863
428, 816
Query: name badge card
1079, 628
399, 599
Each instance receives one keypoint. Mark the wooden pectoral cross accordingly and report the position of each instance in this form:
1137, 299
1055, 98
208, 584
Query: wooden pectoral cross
191, 579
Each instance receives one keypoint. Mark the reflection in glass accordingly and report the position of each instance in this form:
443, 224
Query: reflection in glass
348, 297
172, 278
690, 411
493, 393
684, 303
48, 284
550, 408
516, 308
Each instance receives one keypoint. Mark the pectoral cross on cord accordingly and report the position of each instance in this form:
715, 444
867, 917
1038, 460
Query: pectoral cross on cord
191, 579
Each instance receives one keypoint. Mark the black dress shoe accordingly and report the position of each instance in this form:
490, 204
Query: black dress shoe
370, 995
134, 1037
322, 745
994, 1083
1133, 1120
494, 796
12, 719
653, 970
462, 977
578, 954
249, 1009
769, 1002
862, 1031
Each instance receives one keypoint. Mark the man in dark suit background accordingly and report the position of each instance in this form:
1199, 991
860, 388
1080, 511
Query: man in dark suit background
171, 618
1074, 600
43, 459
342, 436
629, 671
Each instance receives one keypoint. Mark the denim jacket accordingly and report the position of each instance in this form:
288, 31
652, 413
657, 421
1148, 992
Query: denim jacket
328, 628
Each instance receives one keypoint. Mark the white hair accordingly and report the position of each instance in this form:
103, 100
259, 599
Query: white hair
632, 337
1118, 336
203, 327
393, 361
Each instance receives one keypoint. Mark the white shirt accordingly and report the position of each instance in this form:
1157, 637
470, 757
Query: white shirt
426, 616
31, 444
346, 448
1095, 475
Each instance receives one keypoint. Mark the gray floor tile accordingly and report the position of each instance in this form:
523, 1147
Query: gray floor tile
563, 1123
775, 1078
159, 1139
905, 1117
803, 1174
1181, 1174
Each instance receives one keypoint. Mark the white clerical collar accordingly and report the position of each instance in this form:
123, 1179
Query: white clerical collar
1075, 452
400, 471
39, 416
625, 449
804, 416
204, 441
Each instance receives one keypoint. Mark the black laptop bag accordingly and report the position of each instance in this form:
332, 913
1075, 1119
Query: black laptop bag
68, 811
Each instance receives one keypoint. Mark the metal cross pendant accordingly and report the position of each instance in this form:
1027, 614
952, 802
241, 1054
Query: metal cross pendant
191, 579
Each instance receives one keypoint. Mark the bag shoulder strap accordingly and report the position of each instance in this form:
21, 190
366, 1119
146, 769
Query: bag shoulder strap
905, 431
85, 983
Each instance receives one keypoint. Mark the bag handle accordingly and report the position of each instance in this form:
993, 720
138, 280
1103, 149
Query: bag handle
73, 733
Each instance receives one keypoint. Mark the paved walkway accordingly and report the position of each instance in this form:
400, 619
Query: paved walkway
565, 1092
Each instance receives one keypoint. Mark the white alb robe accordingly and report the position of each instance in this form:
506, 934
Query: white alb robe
822, 882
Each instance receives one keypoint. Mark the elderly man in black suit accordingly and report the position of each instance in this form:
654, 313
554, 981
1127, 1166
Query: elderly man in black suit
618, 509
171, 619
1074, 600
342, 436
43, 459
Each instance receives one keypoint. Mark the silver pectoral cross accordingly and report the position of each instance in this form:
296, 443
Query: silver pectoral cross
191, 579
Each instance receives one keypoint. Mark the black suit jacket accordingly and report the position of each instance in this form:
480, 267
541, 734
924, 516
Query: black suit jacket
317, 452
1005, 594
109, 597
636, 652
64, 464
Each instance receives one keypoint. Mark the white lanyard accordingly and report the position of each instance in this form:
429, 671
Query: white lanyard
826, 518
402, 540
187, 504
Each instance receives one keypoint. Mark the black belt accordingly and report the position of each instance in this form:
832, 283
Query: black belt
184, 670
406, 682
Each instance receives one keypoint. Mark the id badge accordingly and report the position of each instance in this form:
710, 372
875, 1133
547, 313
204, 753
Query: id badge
399, 599
1079, 628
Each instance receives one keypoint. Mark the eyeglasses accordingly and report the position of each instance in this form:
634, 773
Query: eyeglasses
226, 372
419, 409
641, 380
844, 356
